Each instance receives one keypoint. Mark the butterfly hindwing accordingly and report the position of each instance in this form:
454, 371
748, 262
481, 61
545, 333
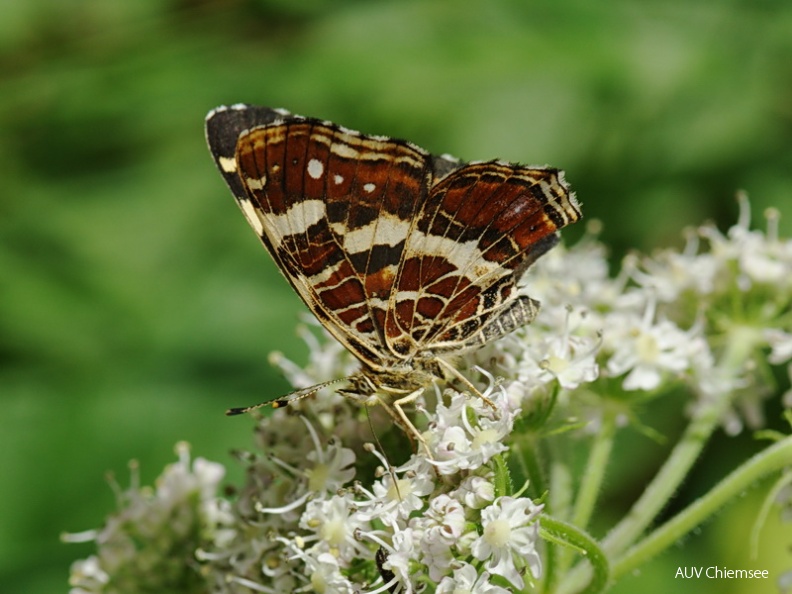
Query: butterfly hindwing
480, 227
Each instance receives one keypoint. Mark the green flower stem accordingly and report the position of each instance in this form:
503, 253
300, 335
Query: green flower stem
770, 502
559, 505
526, 456
590, 486
570, 536
739, 343
771, 460
595, 470
667, 481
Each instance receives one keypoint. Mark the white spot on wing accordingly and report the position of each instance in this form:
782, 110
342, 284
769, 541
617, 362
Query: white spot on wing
315, 168
227, 164
369, 188
256, 184
338, 178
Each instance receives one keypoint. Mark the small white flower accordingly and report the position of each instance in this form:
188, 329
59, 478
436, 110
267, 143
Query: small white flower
439, 529
87, 575
564, 357
475, 492
334, 524
509, 539
645, 350
327, 359
571, 362
577, 275
668, 273
451, 445
781, 344
437, 557
449, 415
467, 580
333, 466
761, 257
466, 445
709, 380
761, 264
322, 570
179, 479
444, 520
325, 575
396, 500
402, 552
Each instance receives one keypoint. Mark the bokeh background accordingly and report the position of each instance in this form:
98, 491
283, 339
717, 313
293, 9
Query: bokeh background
136, 305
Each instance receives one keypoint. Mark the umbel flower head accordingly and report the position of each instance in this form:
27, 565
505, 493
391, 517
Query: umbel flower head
150, 544
337, 499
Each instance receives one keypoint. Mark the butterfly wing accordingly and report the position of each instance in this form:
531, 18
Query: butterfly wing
477, 232
333, 207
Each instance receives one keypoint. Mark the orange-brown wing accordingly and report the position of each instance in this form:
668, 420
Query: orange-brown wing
332, 206
476, 233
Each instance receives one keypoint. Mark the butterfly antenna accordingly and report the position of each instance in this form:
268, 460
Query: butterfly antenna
384, 455
282, 401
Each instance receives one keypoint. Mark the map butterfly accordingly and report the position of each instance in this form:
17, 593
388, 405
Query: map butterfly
406, 258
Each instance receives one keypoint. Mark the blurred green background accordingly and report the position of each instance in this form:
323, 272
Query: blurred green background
136, 305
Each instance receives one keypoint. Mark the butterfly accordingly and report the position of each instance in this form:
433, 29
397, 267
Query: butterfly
406, 258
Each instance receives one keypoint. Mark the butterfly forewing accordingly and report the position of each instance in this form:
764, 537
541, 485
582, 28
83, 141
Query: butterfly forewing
334, 207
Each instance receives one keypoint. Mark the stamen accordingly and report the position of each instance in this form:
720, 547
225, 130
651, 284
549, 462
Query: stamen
773, 216
744, 218
286, 508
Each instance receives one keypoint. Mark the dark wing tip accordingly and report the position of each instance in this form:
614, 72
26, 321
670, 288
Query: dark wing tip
224, 124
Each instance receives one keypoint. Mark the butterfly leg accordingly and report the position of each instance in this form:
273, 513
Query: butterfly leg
404, 421
473, 389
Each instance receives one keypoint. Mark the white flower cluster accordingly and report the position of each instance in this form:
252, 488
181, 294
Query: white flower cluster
150, 544
323, 510
673, 318
421, 518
